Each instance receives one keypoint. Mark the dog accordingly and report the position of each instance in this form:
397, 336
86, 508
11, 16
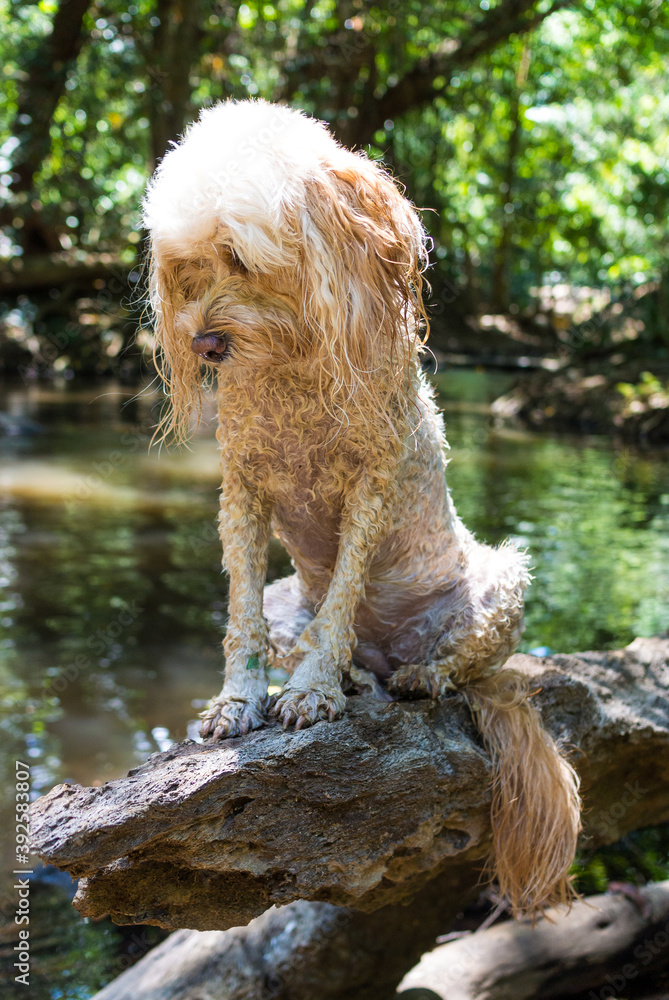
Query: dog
292, 268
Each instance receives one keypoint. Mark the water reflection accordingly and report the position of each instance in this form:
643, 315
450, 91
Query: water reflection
112, 602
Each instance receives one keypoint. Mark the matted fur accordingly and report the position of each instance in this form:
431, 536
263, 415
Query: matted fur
535, 792
301, 262
319, 223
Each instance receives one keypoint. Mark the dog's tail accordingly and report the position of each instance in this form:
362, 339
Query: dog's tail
535, 805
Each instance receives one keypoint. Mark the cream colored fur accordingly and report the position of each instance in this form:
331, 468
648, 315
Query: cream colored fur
297, 265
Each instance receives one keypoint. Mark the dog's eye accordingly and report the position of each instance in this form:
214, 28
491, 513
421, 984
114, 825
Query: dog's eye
193, 276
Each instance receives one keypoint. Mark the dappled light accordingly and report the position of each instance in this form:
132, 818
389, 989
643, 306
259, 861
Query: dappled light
532, 137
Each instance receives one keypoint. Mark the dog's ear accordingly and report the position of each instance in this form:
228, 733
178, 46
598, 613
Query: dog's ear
179, 369
364, 250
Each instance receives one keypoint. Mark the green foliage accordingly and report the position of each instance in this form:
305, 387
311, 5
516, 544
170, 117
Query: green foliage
649, 393
641, 856
544, 158
586, 199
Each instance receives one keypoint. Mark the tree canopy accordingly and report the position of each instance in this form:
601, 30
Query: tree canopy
534, 133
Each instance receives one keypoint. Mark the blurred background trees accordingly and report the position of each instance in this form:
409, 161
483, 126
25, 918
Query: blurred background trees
535, 135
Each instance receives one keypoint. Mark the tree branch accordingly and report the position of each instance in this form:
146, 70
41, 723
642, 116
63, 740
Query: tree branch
417, 87
602, 940
46, 73
307, 950
27, 274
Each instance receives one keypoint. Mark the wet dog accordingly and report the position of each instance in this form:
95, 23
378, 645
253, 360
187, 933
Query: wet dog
292, 267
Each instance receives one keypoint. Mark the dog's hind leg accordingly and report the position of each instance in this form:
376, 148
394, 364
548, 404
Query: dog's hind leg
535, 801
482, 630
244, 527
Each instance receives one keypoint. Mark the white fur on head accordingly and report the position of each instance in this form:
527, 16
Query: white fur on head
242, 168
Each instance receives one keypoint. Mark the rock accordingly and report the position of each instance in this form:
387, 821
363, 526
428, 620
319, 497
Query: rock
360, 813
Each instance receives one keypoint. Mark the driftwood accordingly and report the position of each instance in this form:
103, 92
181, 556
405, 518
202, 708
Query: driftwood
359, 812
302, 951
609, 942
314, 950
386, 806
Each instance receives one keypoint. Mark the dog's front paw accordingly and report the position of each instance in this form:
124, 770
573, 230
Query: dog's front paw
304, 708
231, 717
417, 680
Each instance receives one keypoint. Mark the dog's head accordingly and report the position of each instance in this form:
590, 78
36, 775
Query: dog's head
273, 245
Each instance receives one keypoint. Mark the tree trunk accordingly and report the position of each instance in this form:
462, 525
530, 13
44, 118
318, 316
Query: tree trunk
301, 951
501, 266
40, 91
361, 812
307, 950
55, 270
175, 50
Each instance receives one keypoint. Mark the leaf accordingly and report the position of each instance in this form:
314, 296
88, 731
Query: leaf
253, 661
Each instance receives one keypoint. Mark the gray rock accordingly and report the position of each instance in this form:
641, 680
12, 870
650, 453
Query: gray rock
360, 813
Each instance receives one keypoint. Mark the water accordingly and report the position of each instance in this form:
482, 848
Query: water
112, 600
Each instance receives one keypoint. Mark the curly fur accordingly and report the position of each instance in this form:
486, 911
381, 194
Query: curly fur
301, 263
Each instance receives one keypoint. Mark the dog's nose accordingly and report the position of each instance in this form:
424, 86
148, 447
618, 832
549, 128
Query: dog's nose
211, 347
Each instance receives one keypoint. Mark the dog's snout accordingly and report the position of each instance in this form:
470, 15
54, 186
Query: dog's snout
211, 347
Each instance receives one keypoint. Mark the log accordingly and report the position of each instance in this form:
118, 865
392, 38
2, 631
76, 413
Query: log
305, 950
361, 812
301, 951
607, 942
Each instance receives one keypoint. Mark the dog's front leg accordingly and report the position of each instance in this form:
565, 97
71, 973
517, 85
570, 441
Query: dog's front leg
314, 689
244, 526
